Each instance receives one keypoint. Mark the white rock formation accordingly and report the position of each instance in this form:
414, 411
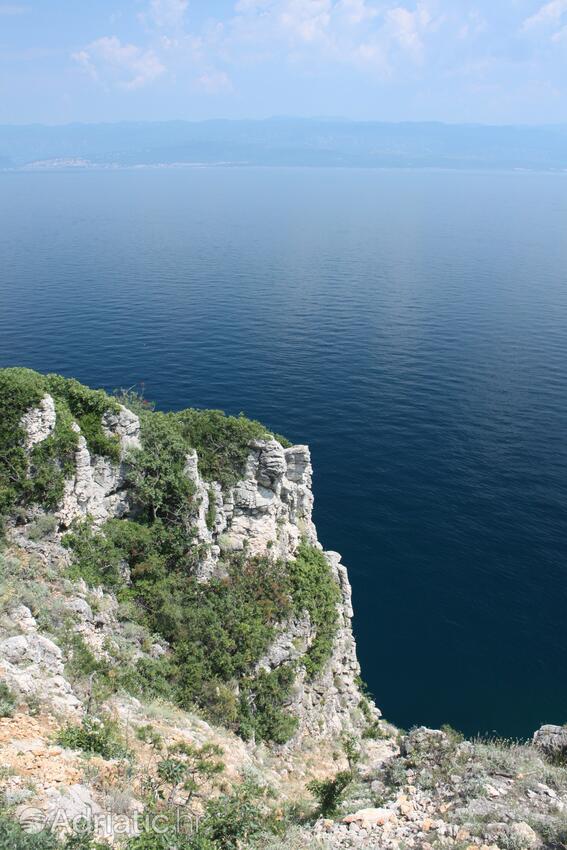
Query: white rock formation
97, 487
267, 512
32, 665
39, 422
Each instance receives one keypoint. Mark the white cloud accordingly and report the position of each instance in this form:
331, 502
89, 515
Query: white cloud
214, 82
408, 28
357, 11
126, 65
308, 21
549, 13
165, 14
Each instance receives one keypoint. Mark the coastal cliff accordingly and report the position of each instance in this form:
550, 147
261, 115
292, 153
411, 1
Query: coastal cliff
257, 518
174, 638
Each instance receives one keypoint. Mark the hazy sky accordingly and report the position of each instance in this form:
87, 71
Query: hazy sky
451, 60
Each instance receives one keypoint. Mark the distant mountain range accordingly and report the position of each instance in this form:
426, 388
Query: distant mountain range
284, 142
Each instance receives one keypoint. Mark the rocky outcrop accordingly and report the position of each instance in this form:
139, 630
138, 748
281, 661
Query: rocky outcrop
39, 422
267, 512
32, 665
552, 741
97, 487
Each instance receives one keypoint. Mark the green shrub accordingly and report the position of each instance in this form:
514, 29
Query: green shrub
315, 590
87, 408
14, 837
95, 736
222, 442
263, 713
237, 820
156, 472
38, 477
8, 701
211, 515
329, 792
96, 558
42, 527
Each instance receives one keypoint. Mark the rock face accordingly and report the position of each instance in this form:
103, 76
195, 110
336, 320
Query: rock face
39, 422
552, 741
268, 512
32, 665
97, 488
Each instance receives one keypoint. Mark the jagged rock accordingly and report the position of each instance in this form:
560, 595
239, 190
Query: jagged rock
424, 742
126, 425
97, 488
23, 619
39, 422
522, 835
268, 512
32, 649
552, 741
32, 665
66, 807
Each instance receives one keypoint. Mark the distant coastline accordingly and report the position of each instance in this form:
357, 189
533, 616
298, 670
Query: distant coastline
280, 142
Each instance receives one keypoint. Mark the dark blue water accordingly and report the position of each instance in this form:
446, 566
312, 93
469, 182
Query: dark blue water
412, 327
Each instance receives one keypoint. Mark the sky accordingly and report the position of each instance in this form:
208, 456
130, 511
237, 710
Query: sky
486, 61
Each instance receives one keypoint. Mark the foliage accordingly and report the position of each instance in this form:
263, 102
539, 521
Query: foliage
37, 477
20, 390
94, 735
222, 442
262, 711
211, 514
8, 700
156, 472
87, 408
329, 792
315, 590
184, 769
219, 632
14, 837
43, 526
96, 558
236, 820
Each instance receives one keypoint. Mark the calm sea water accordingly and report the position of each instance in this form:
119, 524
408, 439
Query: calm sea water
411, 327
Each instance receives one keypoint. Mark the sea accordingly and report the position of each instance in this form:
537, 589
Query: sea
410, 326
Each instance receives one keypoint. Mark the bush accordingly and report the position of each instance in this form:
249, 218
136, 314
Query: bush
156, 472
222, 442
95, 736
14, 837
329, 792
42, 527
8, 701
96, 558
37, 477
315, 590
87, 408
263, 699
236, 820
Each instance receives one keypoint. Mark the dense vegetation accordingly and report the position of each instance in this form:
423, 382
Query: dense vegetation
39, 478
218, 632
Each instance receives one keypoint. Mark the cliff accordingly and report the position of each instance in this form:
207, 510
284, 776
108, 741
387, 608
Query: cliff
177, 663
261, 512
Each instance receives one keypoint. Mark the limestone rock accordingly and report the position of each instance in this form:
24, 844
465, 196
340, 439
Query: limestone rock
39, 422
32, 665
552, 741
97, 487
126, 425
